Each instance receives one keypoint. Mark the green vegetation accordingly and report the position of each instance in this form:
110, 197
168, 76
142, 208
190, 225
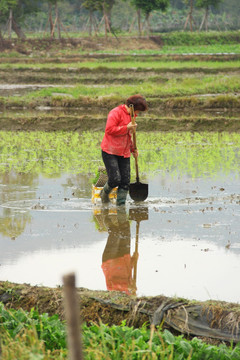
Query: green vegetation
197, 38
180, 49
166, 49
196, 154
34, 336
131, 65
173, 87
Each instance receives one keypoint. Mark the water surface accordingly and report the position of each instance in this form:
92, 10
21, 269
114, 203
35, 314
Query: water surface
182, 241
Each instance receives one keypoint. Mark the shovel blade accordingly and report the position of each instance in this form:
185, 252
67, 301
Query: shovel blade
138, 191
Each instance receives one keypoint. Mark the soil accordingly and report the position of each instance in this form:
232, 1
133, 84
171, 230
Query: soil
26, 47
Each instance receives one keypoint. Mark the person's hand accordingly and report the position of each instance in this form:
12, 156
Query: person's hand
135, 153
131, 127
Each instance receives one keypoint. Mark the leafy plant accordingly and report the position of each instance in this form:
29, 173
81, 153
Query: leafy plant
41, 332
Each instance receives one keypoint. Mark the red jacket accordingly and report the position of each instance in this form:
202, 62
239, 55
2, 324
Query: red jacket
117, 139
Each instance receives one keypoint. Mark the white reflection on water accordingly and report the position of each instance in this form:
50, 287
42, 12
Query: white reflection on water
194, 270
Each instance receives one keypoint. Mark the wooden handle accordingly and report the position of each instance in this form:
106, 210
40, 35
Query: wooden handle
134, 138
133, 122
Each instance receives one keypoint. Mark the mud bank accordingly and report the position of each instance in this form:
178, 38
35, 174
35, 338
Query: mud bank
192, 113
103, 75
96, 122
161, 102
214, 320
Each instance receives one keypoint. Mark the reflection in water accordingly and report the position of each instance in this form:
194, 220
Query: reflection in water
118, 265
14, 188
117, 262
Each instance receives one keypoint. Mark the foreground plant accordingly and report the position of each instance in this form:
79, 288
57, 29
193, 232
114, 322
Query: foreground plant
36, 337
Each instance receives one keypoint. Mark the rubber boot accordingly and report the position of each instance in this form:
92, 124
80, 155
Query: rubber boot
121, 215
121, 196
104, 193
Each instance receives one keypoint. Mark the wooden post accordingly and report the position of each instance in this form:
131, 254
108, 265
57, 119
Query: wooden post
72, 318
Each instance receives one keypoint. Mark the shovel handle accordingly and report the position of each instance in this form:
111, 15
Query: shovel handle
133, 122
134, 138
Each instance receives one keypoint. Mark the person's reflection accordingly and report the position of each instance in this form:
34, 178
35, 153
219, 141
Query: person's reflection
117, 262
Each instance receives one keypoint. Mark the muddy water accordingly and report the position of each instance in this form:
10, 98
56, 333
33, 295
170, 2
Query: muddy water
22, 89
184, 240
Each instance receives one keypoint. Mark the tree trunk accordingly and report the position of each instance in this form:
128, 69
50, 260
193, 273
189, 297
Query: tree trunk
109, 18
95, 25
206, 18
105, 20
191, 11
50, 18
10, 23
90, 22
1, 39
139, 23
53, 29
190, 17
148, 25
58, 21
202, 23
132, 24
17, 29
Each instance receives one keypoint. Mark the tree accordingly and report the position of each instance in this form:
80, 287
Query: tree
6, 7
205, 4
91, 6
57, 22
14, 11
106, 7
189, 19
147, 6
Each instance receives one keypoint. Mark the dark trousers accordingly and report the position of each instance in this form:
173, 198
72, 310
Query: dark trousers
118, 170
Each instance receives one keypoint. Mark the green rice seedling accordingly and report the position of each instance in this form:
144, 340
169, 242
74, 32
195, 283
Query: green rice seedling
132, 65
50, 154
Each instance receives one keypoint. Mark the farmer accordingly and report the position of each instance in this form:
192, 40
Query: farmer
117, 147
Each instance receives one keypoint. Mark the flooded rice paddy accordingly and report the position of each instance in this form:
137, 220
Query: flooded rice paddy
184, 240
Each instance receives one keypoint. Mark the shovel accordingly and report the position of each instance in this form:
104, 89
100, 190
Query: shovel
137, 190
